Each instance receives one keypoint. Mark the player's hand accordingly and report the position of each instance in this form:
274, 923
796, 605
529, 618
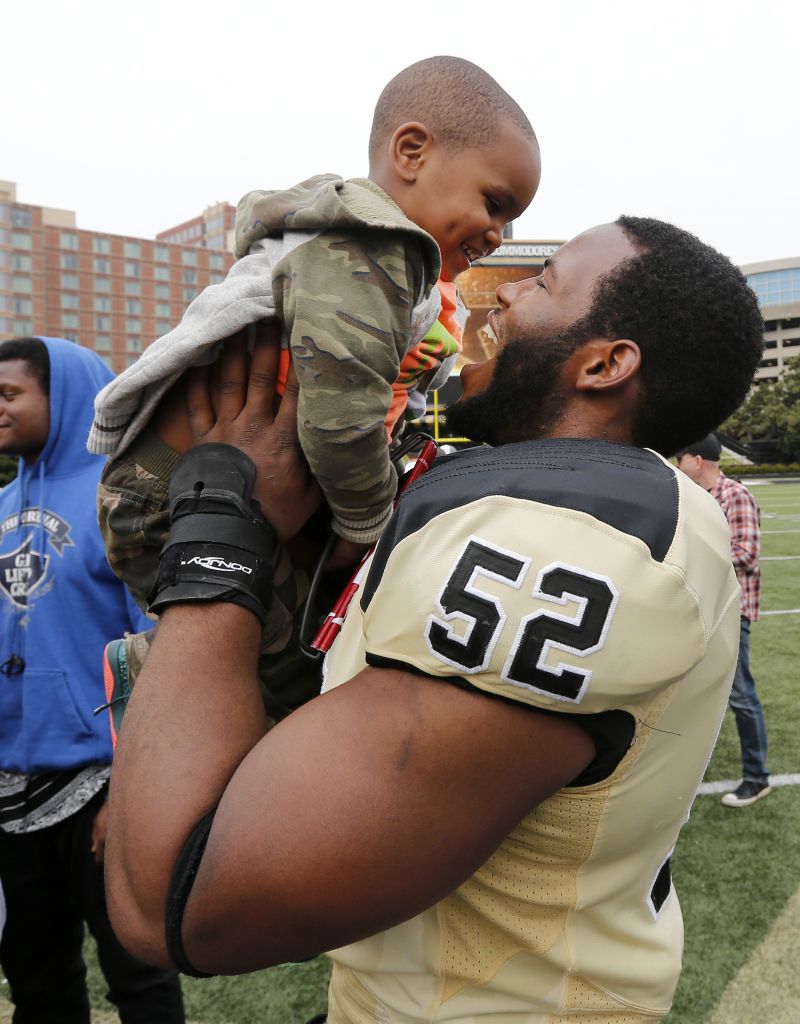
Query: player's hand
235, 402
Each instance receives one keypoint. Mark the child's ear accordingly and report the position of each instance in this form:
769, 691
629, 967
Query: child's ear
408, 149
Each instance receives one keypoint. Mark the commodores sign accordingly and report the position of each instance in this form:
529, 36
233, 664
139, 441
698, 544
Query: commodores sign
524, 250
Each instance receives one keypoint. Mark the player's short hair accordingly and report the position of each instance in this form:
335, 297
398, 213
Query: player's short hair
697, 324
707, 447
462, 106
32, 351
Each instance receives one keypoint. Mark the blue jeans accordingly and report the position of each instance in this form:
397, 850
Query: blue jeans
746, 707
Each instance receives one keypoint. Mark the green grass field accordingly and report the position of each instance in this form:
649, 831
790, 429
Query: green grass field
735, 870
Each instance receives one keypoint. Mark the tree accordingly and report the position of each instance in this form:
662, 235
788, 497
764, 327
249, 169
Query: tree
771, 412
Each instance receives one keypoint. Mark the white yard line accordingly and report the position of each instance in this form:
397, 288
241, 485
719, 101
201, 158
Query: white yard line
726, 785
780, 558
782, 611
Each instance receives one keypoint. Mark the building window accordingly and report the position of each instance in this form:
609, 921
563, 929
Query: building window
189, 258
102, 304
133, 306
133, 326
21, 240
69, 281
161, 273
102, 323
102, 284
131, 269
102, 343
216, 261
21, 218
5, 282
133, 288
132, 250
70, 301
23, 327
19, 261
163, 309
133, 344
190, 277
216, 278
69, 261
775, 287
22, 284
102, 246
22, 306
70, 321
189, 294
68, 240
102, 265
163, 327
161, 254
163, 291
107, 361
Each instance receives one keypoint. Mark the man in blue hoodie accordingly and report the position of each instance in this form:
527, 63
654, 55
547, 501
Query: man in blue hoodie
60, 605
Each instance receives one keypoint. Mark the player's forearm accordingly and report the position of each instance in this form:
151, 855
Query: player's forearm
194, 714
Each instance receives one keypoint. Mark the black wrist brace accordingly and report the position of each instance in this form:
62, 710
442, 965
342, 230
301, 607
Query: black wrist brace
220, 547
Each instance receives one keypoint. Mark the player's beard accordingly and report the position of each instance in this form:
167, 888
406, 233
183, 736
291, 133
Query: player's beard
523, 400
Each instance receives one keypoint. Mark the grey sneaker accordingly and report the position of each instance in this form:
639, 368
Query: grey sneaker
746, 793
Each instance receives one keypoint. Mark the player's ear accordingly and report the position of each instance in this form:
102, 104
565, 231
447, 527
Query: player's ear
408, 149
608, 364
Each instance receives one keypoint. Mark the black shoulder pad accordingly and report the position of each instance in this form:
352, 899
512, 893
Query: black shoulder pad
630, 489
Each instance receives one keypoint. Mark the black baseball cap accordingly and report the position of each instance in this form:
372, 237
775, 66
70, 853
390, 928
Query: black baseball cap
707, 448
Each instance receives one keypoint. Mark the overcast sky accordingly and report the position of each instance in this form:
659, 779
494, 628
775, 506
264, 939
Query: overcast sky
139, 115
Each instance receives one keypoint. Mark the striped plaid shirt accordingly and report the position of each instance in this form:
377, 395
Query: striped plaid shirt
744, 520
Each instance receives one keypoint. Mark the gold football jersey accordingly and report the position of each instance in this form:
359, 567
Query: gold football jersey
581, 578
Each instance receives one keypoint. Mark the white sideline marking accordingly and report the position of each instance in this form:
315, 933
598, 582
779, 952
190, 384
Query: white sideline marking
727, 785
780, 558
774, 533
783, 611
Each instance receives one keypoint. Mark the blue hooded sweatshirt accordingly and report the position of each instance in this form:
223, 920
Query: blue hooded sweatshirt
60, 601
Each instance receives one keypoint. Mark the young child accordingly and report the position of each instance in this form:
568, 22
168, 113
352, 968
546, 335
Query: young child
360, 274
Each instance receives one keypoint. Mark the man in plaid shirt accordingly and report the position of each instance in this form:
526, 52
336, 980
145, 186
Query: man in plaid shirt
700, 461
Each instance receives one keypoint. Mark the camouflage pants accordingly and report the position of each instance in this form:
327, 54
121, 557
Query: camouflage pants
133, 513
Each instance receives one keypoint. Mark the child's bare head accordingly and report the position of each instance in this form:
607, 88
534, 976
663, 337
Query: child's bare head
456, 153
461, 105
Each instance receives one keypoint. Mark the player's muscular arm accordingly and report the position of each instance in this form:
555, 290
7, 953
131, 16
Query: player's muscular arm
361, 809
369, 806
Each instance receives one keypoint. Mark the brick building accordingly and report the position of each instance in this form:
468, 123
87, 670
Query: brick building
110, 293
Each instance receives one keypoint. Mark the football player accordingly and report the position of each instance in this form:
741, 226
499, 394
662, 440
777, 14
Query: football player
477, 815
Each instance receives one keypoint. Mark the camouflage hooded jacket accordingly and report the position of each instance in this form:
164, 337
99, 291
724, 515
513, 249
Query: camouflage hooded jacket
353, 282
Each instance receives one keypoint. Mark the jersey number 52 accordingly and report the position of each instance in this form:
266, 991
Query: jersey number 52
482, 619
